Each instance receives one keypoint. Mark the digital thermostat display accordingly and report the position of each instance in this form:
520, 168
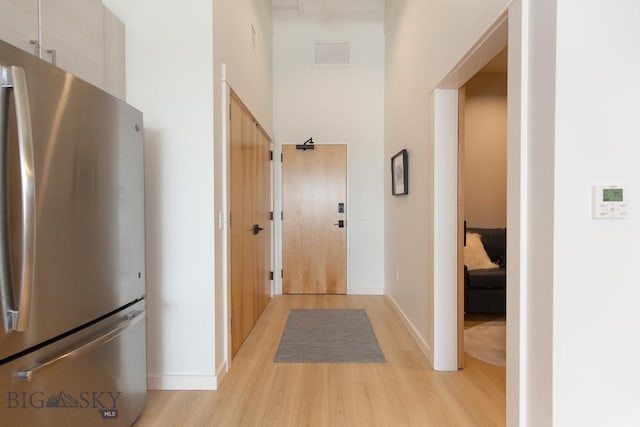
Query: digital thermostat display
609, 202
612, 194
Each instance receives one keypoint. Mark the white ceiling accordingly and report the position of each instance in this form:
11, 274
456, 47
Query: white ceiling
331, 9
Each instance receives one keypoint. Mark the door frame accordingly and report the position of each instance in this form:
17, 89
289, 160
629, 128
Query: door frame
444, 97
223, 217
461, 222
445, 143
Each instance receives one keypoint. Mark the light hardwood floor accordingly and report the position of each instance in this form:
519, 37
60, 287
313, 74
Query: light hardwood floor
405, 391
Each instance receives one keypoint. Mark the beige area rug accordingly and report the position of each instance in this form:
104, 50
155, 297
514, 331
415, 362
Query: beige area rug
487, 342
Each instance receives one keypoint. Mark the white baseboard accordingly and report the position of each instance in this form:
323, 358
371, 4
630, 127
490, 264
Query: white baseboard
356, 291
221, 373
365, 291
183, 382
424, 347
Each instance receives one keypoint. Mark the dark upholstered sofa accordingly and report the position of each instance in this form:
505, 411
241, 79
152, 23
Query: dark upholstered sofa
485, 290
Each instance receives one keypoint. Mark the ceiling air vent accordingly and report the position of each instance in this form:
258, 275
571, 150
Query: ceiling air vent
331, 53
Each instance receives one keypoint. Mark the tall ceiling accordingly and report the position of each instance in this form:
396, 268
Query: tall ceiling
330, 9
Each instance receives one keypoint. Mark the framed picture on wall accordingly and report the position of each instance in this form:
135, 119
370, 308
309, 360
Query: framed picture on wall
400, 173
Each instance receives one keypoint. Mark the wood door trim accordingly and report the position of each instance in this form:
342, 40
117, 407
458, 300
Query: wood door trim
461, 173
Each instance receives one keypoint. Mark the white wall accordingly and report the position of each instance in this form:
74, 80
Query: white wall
595, 285
575, 288
424, 40
169, 77
249, 73
571, 351
175, 55
339, 105
536, 263
485, 130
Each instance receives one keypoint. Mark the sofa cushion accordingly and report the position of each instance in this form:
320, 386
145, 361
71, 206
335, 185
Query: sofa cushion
488, 278
475, 257
494, 241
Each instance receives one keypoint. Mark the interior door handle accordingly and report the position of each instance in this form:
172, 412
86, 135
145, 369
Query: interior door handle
340, 223
257, 229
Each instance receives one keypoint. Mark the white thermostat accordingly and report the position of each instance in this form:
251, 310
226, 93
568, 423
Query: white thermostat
610, 202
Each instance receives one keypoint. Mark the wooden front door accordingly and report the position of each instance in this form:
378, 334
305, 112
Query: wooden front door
249, 222
314, 186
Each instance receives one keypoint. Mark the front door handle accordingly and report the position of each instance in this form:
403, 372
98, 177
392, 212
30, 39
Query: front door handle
257, 229
340, 223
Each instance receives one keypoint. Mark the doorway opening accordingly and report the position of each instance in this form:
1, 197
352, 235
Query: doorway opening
448, 316
482, 213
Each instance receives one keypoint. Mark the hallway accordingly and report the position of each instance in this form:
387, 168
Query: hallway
403, 392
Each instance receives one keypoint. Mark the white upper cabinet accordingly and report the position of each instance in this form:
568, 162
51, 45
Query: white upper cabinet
72, 37
79, 36
19, 24
114, 55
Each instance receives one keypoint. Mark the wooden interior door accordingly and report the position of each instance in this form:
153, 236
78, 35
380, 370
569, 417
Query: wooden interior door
314, 183
263, 218
249, 222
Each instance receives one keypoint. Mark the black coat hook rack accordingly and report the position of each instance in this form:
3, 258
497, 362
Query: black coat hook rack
308, 145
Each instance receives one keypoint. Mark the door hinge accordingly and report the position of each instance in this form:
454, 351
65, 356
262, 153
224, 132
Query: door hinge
281, 215
281, 157
230, 112
271, 275
282, 274
271, 155
271, 215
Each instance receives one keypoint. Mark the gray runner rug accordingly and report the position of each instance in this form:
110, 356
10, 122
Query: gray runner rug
328, 336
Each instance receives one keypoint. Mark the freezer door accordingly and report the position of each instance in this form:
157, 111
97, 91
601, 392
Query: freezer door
92, 378
71, 202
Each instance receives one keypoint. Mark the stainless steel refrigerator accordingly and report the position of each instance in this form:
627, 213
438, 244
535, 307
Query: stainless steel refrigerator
72, 277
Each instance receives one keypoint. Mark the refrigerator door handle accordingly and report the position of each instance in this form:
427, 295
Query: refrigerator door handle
117, 330
17, 319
